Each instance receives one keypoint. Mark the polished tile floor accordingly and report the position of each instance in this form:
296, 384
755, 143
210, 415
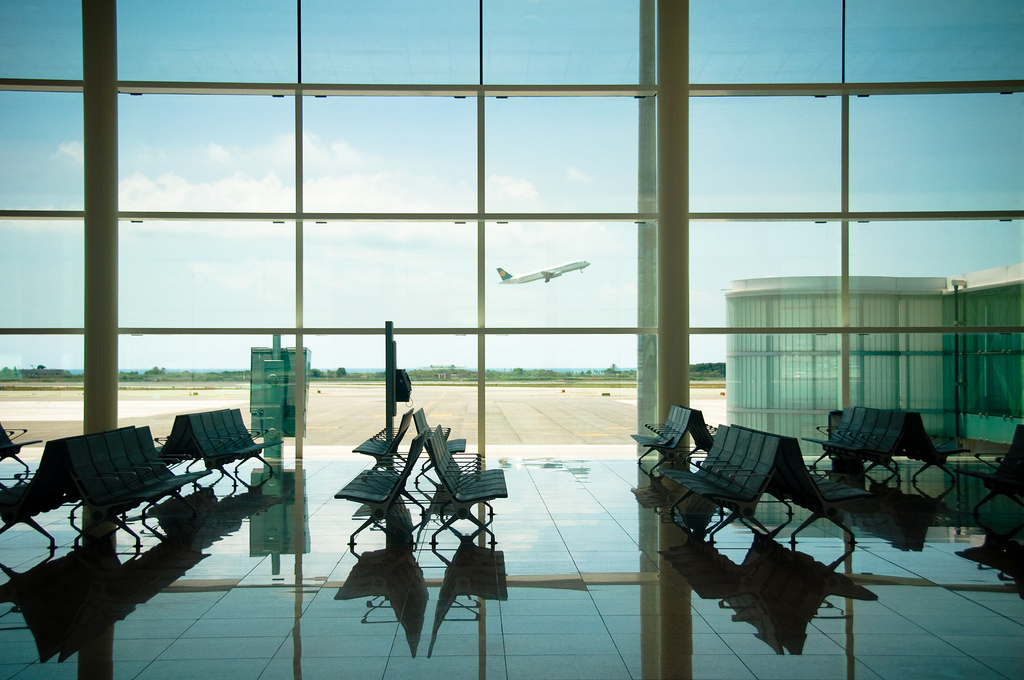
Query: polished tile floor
588, 580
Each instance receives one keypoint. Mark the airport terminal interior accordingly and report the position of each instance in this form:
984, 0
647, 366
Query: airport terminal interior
226, 228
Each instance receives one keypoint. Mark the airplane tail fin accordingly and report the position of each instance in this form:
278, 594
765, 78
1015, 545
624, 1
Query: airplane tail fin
505, 276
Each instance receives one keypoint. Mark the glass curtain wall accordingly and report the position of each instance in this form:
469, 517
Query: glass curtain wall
857, 166
313, 169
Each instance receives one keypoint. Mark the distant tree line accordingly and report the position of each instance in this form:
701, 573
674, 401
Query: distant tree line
708, 371
703, 371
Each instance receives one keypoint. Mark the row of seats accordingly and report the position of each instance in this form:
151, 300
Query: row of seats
457, 482
741, 465
107, 474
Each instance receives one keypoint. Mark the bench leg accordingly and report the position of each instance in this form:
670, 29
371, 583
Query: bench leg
35, 525
924, 467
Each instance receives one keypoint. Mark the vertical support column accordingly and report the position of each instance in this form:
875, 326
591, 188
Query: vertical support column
844, 266
648, 522
99, 65
647, 232
673, 204
99, 87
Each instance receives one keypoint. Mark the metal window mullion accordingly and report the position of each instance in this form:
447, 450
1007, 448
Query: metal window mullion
481, 252
844, 257
300, 369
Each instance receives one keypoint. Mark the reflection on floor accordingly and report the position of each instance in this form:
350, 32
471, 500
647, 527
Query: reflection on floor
588, 581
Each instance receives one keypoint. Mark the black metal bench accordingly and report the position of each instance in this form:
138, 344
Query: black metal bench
9, 448
733, 476
218, 438
381, 490
1006, 478
117, 471
455, 446
467, 462
876, 436
460, 490
669, 438
383, 446
791, 481
47, 489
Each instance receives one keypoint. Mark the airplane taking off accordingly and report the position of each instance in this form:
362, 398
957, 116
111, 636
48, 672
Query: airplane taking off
546, 274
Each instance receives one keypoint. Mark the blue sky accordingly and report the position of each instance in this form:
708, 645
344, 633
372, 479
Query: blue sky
948, 152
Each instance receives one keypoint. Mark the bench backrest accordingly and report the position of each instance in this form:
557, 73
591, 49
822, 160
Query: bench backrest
743, 456
50, 486
698, 430
1012, 464
421, 422
759, 451
195, 435
92, 470
888, 434
792, 480
181, 443
142, 454
5, 438
914, 441
403, 427
719, 450
447, 469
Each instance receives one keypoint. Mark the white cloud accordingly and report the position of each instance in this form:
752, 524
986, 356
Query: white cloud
73, 150
577, 175
387, 191
218, 154
239, 192
510, 188
320, 158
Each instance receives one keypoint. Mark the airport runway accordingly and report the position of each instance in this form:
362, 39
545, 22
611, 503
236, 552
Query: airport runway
345, 415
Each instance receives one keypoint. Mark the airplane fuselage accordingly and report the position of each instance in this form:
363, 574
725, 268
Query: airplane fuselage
546, 274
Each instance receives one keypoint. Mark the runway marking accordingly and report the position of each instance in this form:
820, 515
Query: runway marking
599, 434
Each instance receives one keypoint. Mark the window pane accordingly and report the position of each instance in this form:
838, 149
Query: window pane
749, 41
207, 274
53, 407
41, 39
991, 369
764, 154
216, 40
784, 384
561, 42
346, 401
390, 41
562, 390
393, 155
189, 153
908, 371
776, 274
41, 274
552, 154
911, 283
566, 274
921, 40
162, 376
937, 152
416, 275
42, 151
